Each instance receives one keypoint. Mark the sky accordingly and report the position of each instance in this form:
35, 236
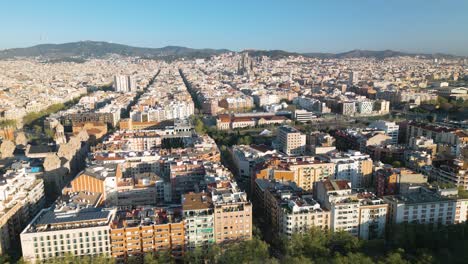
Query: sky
301, 26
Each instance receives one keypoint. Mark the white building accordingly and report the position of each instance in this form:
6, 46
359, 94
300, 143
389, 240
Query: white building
246, 157
124, 83
60, 231
365, 107
343, 203
390, 129
303, 116
361, 214
372, 216
21, 197
291, 141
301, 214
348, 108
424, 206
352, 166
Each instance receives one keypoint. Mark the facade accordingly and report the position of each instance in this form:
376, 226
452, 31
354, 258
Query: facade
55, 232
123, 83
389, 181
427, 206
298, 214
358, 212
304, 173
390, 128
372, 216
303, 116
343, 204
348, 108
352, 166
21, 198
232, 213
452, 172
439, 134
147, 230
198, 212
245, 159
365, 107
291, 141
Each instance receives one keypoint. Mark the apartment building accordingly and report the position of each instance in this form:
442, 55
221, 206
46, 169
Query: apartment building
62, 230
147, 230
291, 141
427, 206
452, 172
305, 172
198, 213
232, 213
343, 204
440, 134
245, 159
389, 181
372, 216
320, 143
352, 166
21, 198
185, 176
124, 83
298, 214
391, 129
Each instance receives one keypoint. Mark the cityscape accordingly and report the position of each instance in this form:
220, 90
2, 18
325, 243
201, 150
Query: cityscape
119, 153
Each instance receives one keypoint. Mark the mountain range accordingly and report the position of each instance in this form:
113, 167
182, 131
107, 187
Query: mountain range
97, 49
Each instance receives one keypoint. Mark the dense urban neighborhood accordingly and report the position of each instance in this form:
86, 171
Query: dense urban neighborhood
236, 157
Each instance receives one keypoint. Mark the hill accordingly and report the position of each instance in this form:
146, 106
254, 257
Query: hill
378, 54
81, 50
98, 49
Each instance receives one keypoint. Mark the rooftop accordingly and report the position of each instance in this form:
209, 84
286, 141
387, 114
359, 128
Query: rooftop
51, 220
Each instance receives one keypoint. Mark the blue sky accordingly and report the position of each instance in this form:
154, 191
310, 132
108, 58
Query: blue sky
303, 26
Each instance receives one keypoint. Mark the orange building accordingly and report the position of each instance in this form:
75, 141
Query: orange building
7, 133
232, 214
147, 230
92, 179
96, 130
129, 124
304, 173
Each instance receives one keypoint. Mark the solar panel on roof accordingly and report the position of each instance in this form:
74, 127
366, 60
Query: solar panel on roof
51, 217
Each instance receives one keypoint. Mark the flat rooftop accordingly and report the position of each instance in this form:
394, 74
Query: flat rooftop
196, 201
52, 220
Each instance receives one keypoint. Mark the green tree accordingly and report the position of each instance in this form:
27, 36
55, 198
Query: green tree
37, 130
5, 259
395, 258
251, 251
199, 126
352, 258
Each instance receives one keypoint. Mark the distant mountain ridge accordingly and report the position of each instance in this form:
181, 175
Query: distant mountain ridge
378, 54
98, 49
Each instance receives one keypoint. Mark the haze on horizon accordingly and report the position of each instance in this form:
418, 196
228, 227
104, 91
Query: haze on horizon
418, 26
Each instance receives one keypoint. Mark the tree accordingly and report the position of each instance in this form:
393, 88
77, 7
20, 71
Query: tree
352, 258
199, 126
37, 130
195, 256
395, 258
5, 259
296, 260
250, 251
